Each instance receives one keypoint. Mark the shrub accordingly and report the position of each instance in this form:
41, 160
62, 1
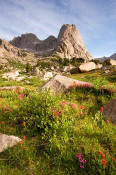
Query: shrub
28, 68
44, 65
24, 54
96, 61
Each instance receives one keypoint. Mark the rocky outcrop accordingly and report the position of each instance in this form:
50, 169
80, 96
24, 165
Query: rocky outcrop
61, 84
70, 43
112, 62
86, 67
9, 54
110, 111
7, 49
14, 75
7, 141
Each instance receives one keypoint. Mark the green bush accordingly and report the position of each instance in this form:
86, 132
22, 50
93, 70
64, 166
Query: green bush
28, 68
44, 65
23, 54
96, 61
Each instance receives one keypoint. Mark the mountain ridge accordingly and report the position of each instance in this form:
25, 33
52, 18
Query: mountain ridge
69, 44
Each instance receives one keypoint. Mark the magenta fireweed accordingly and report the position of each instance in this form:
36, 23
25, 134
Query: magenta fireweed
81, 160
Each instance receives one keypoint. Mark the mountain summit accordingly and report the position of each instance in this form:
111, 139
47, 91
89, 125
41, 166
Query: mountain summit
69, 44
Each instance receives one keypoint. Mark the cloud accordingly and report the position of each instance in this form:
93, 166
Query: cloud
95, 20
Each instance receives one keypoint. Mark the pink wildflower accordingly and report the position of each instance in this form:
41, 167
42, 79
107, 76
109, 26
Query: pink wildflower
21, 96
63, 103
81, 166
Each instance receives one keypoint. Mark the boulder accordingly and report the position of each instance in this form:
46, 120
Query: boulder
86, 67
61, 84
99, 66
8, 141
68, 68
110, 110
112, 62
37, 71
11, 75
47, 75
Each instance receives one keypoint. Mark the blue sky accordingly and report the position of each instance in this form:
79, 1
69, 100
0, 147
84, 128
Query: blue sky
95, 19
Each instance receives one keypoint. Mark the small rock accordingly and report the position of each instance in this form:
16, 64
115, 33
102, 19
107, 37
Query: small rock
48, 75
110, 110
7, 141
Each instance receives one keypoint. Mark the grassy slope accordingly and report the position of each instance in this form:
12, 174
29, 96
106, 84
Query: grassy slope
87, 133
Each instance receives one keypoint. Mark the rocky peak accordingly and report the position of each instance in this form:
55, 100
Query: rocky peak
25, 41
70, 43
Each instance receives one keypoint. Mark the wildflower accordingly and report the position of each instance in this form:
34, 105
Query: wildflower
24, 123
80, 159
102, 109
99, 152
63, 103
53, 110
80, 113
108, 121
24, 137
56, 114
6, 111
113, 158
103, 162
73, 105
61, 111
2, 122
87, 108
103, 155
82, 107
7, 107
79, 156
81, 166
21, 96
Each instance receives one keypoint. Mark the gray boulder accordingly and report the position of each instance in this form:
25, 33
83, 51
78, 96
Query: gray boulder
112, 62
110, 110
61, 84
7, 141
86, 67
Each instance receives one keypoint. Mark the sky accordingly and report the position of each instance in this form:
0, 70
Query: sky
95, 19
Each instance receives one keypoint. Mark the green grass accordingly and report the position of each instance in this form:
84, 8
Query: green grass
53, 139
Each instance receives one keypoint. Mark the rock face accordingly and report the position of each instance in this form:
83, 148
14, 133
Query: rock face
61, 84
7, 141
112, 62
31, 43
110, 110
9, 53
26, 41
86, 67
6, 48
70, 43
